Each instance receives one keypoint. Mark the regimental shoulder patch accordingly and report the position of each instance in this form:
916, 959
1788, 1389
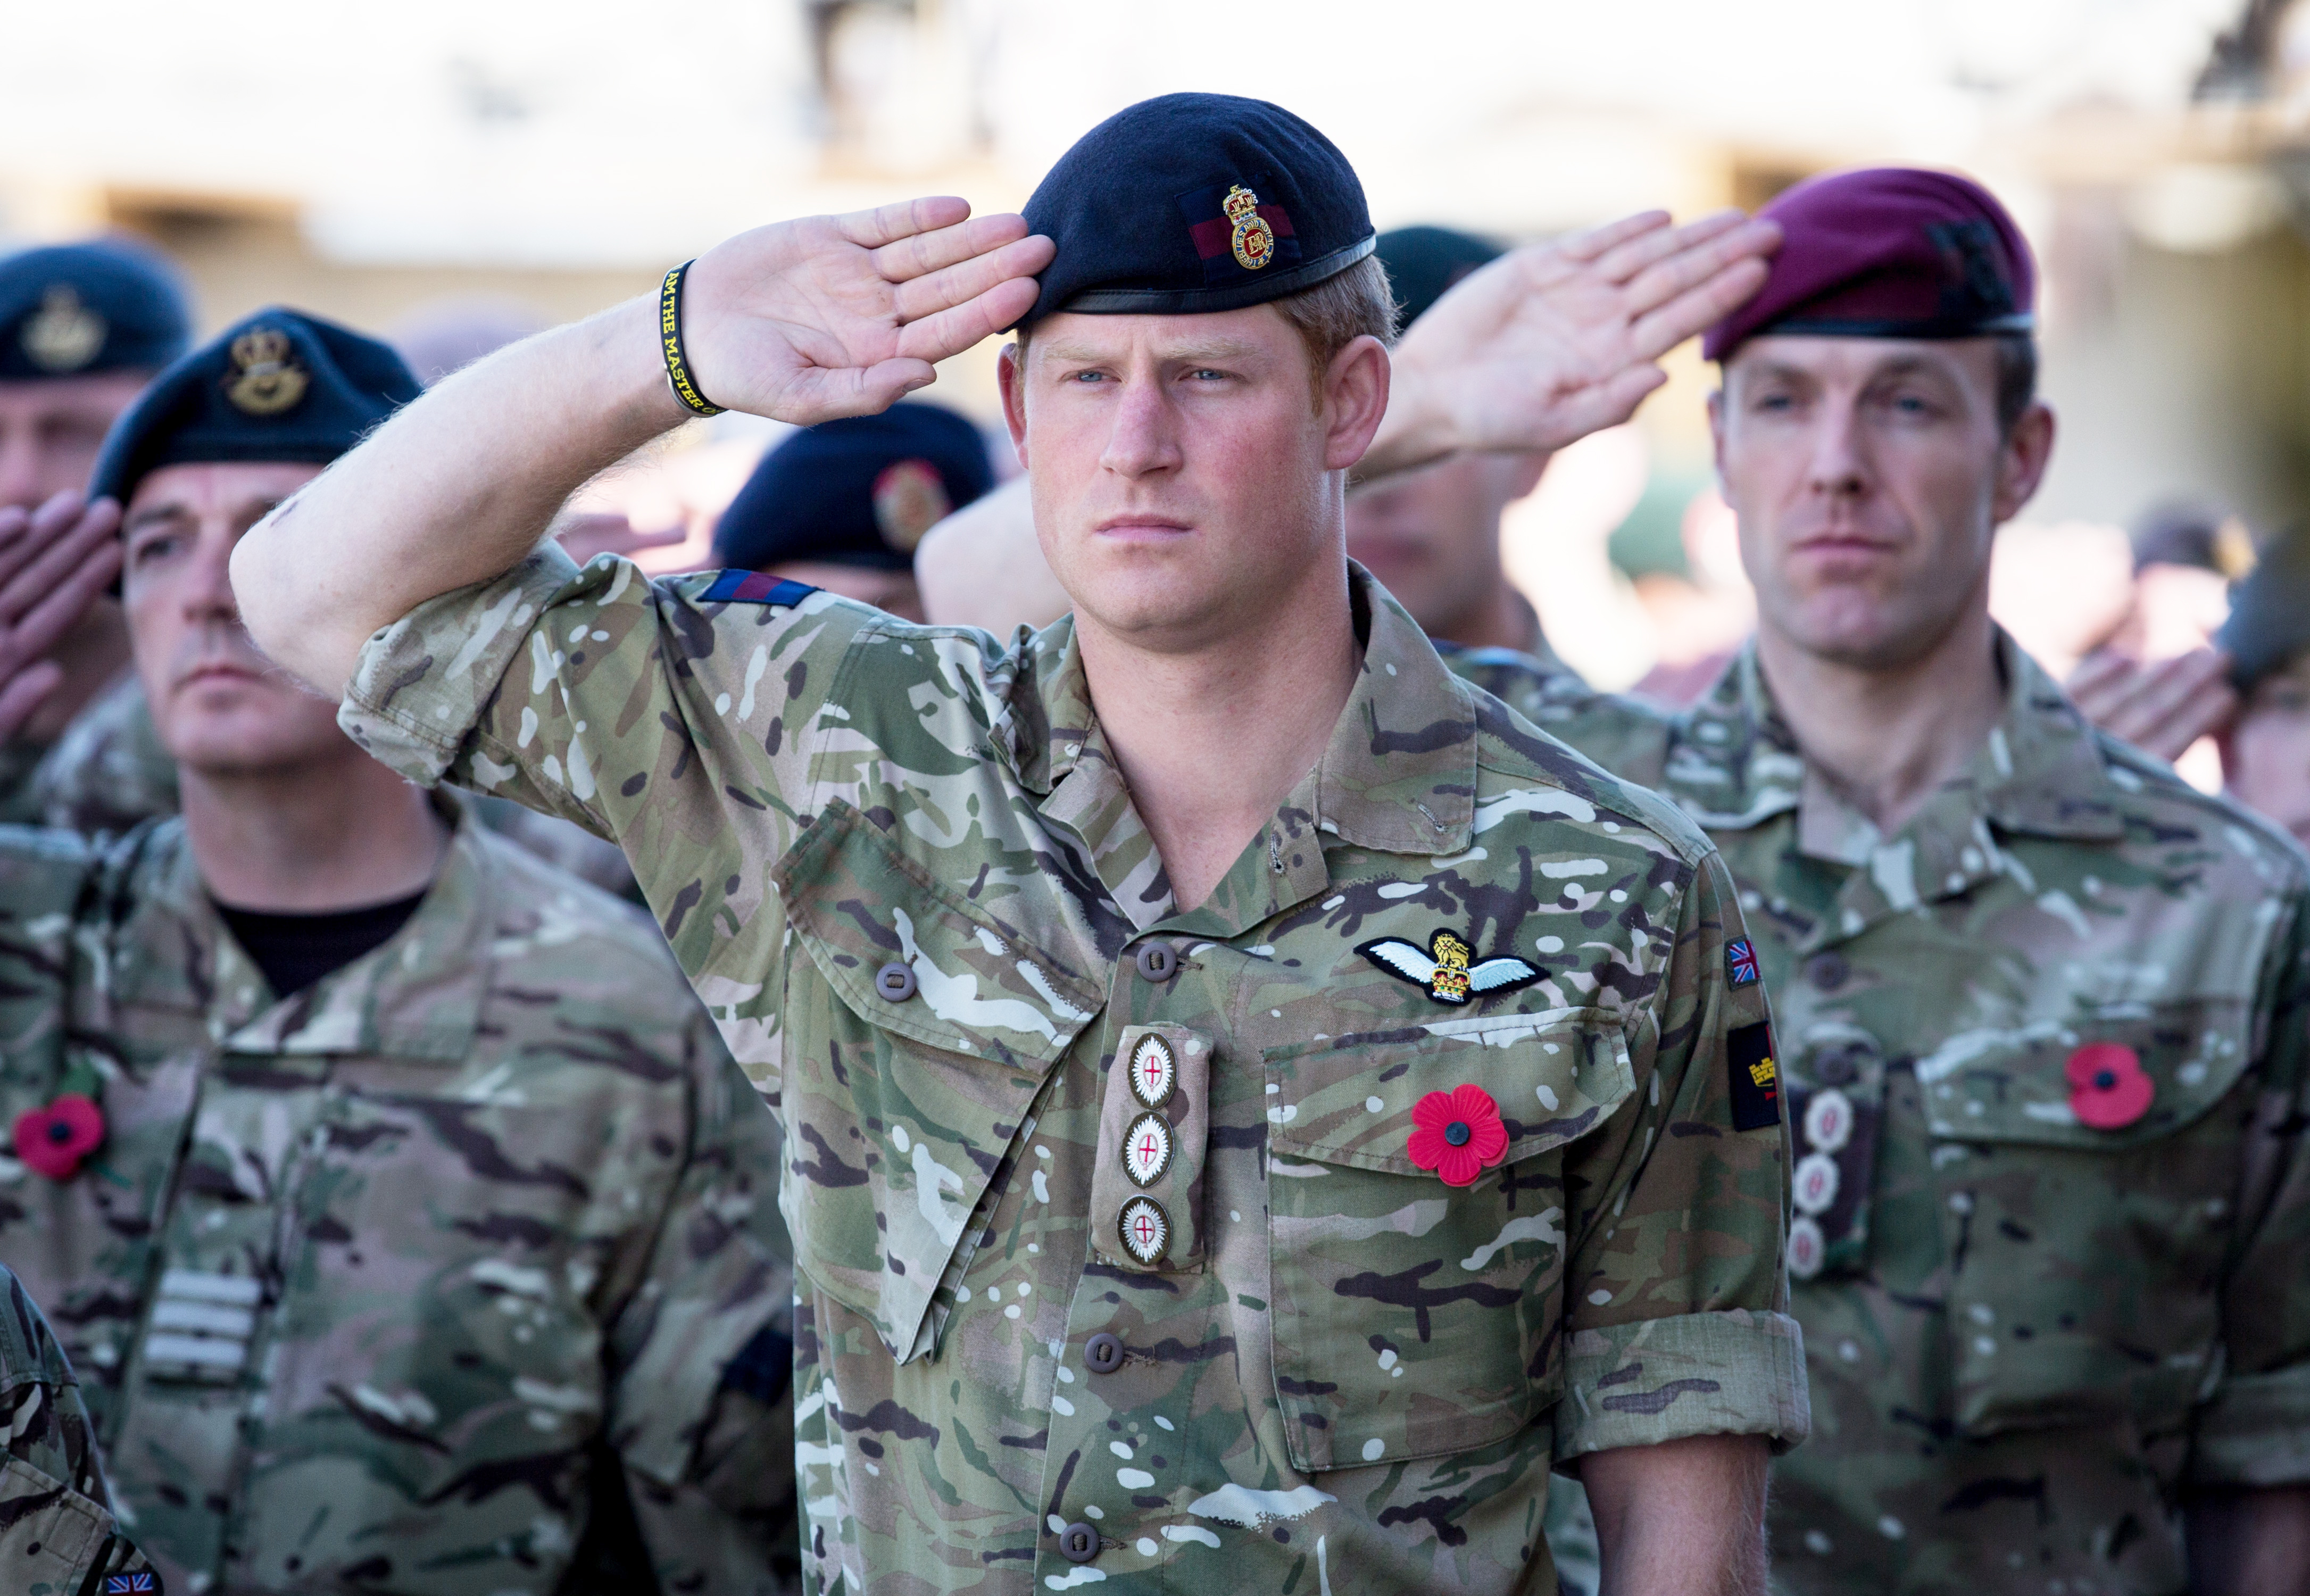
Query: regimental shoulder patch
1756, 1077
755, 588
1740, 962
1445, 967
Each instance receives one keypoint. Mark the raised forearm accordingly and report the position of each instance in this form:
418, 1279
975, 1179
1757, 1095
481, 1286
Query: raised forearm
1685, 1518
456, 488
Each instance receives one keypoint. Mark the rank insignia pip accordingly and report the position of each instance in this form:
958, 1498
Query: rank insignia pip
1445, 970
266, 379
1253, 239
63, 335
1145, 1229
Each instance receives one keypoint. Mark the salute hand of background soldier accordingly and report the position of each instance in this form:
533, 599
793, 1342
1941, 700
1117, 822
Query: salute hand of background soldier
54, 561
1553, 341
2161, 707
842, 315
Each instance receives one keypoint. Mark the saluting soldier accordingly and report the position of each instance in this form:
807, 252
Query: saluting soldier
58, 1536
394, 1195
2042, 1005
82, 328
1255, 1105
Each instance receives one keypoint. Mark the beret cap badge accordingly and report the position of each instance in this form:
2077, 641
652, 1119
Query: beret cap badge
909, 499
265, 379
1254, 239
63, 335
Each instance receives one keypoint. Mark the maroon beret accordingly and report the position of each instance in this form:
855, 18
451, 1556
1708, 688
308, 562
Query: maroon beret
1889, 252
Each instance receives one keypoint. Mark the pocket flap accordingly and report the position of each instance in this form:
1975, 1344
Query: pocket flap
859, 905
1348, 1099
2015, 1086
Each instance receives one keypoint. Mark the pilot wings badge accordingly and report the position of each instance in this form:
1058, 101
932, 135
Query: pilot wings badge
1445, 970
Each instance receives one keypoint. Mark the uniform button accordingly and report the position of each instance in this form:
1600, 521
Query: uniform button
1079, 1543
1104, 1353
894, 983
1157, 961
1828, 971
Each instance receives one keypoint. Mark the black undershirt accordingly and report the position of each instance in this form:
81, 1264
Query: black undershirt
295, 951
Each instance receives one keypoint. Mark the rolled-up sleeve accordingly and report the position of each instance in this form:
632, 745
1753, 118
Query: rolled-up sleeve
1678, 1293
677, 717
2253, 1430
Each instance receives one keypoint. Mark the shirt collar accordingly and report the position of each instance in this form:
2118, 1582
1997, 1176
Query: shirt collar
2040, 772
417, 995
1397, 775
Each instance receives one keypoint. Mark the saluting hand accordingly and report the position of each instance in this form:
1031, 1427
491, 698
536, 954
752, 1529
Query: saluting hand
1553, 341
54, 561
844, 316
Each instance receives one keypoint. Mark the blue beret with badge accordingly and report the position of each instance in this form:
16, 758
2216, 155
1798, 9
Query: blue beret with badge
280, 385
860, 491
78, 309
1193, 203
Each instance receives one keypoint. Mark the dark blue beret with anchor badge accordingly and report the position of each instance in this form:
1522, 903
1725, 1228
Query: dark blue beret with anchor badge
78, 309
280, 385
1194, 202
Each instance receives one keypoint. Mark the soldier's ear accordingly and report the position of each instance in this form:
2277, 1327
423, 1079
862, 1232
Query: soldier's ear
1011, 378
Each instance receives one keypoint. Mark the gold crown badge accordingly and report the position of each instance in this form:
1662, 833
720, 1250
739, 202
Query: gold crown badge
266, 379
63, 335
1253, 240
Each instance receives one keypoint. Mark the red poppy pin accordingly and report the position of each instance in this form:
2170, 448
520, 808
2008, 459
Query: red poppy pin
2108, 1090
54, 1139
1457, 1133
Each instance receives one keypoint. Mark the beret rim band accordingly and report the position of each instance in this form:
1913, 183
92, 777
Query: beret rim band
1939, 330
1239, 295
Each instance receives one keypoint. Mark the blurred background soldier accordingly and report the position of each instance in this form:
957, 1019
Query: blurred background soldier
2038, 1001
2266, 747
57, 1534
1431, 536
842, 505
413, 1227
82, 328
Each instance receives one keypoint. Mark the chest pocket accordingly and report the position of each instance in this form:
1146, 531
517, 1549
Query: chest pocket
1412, 1317
2087, 1173
919, 1033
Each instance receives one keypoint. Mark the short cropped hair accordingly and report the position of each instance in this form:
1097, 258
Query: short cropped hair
1349, 304
2017, 378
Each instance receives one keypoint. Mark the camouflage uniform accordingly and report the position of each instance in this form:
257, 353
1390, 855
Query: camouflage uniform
57, 1534
2027, 1336
109, 771
902, 868
378, 1286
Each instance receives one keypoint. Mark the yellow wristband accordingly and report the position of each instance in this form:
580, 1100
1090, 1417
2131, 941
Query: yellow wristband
668, 334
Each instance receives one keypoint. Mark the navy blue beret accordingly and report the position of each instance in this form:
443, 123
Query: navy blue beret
860, 490
74, 309
280, 385
1423, 262
1191, 203
2270, 611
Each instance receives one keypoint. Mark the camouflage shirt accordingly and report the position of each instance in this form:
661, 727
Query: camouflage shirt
109, 771
2045, 1052
366, 1283
1117, 1256
57, 1534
